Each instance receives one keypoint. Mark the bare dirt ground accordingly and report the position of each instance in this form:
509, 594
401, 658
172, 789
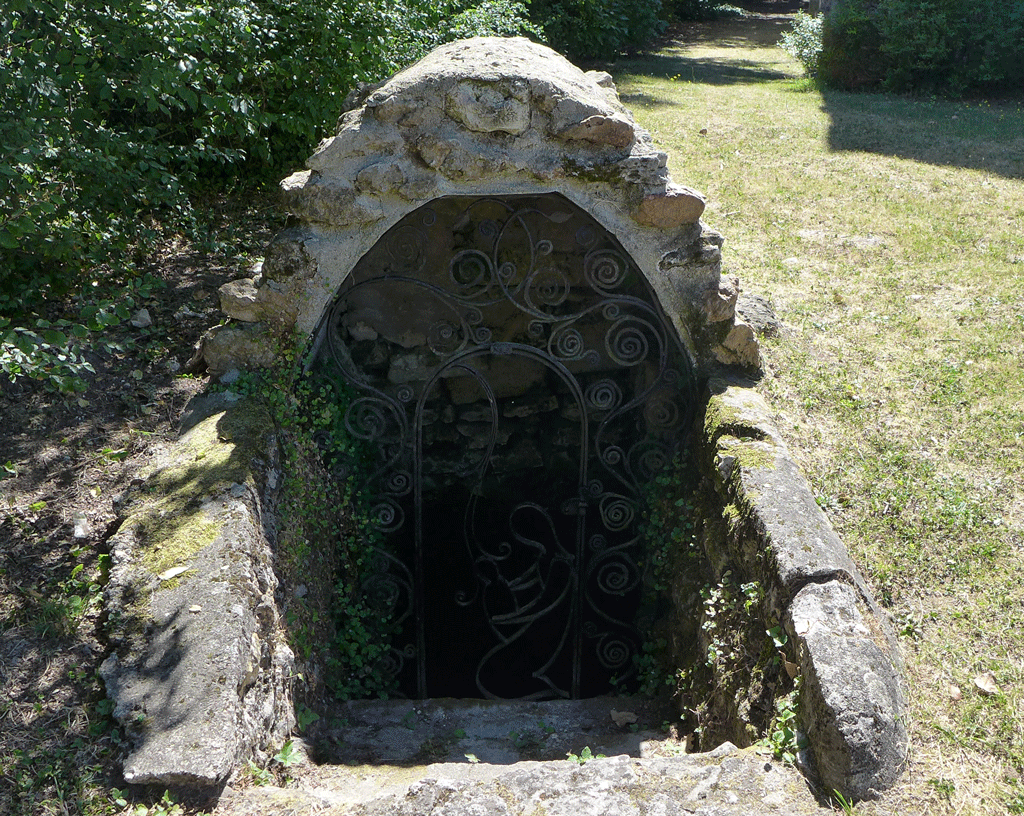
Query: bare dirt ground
63, 462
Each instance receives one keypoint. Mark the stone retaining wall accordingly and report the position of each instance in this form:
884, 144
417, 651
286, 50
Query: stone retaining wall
200, 673
200, 670
852, 705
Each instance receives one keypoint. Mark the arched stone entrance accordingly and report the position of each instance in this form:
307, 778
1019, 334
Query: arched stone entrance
515, 386
500, 124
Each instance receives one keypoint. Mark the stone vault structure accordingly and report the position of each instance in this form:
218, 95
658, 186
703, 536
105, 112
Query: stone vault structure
484, 117
200, 660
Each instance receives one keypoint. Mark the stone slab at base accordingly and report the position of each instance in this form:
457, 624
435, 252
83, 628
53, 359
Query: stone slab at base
723, 782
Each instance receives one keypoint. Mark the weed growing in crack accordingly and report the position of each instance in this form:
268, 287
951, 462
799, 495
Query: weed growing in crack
584, 756
674, 563
784, 737
740, 667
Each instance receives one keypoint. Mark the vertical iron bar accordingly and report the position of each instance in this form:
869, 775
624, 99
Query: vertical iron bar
419, 587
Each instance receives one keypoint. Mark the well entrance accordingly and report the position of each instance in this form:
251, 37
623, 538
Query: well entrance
514, 387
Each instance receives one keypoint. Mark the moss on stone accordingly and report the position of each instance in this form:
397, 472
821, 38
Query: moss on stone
608, 173
750, 455
172, 522
718, 417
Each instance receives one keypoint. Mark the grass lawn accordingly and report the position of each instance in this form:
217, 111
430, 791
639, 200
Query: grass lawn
888, 233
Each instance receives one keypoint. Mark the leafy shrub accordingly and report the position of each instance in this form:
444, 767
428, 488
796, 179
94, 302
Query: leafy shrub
698, 9
115, 113
850, 40
597, 29
948, 45
942, 46
502, 18
803, 41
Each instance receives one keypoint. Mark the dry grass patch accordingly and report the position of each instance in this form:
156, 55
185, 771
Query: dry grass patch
887, 234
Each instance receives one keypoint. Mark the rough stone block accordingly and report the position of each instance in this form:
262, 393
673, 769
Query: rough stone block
238, 300
199, 672
726, 782
489, 108
615, 130
247, 346
678, 205
783, 532
852, 705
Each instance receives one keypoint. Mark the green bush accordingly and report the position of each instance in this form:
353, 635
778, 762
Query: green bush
803, 41
597, 29
114, 114
942, 46
952, 46
112, 110
696, 9
850, 55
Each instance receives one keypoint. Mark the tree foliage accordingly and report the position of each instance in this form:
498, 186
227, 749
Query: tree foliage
940, 46
116, 110
597, 29
112, 115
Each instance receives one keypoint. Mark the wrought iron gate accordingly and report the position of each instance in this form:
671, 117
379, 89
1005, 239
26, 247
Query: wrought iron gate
516, 387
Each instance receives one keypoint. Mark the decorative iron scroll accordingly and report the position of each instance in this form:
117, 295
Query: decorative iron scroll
517, 387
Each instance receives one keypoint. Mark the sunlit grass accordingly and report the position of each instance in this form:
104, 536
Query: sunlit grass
889, 235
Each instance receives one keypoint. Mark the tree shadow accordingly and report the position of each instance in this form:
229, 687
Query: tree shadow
702, 71
982, 135
714, 72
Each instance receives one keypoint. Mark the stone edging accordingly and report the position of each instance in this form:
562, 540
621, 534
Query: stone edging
852, 707
200, 671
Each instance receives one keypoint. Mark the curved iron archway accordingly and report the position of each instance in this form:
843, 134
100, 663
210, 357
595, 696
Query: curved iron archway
517, 387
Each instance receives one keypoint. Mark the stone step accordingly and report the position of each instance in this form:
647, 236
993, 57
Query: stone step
494, 732
724, 782
607, 756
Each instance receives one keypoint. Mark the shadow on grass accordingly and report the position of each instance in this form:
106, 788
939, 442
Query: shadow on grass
975, 136
695, 71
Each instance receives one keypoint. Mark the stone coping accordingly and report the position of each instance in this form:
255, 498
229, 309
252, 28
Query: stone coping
852, 706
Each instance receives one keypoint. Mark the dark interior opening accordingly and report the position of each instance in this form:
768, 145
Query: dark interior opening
517, 388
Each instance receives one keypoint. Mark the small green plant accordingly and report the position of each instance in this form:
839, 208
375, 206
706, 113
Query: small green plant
944, 787
167, 805
784, 738
845, 805
584, 756
288, 755
259, 776
524, 740
305, 717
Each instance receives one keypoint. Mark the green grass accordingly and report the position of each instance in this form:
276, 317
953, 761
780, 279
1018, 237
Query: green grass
889, 235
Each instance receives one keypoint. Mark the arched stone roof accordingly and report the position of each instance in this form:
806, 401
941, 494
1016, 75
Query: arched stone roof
485, 116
